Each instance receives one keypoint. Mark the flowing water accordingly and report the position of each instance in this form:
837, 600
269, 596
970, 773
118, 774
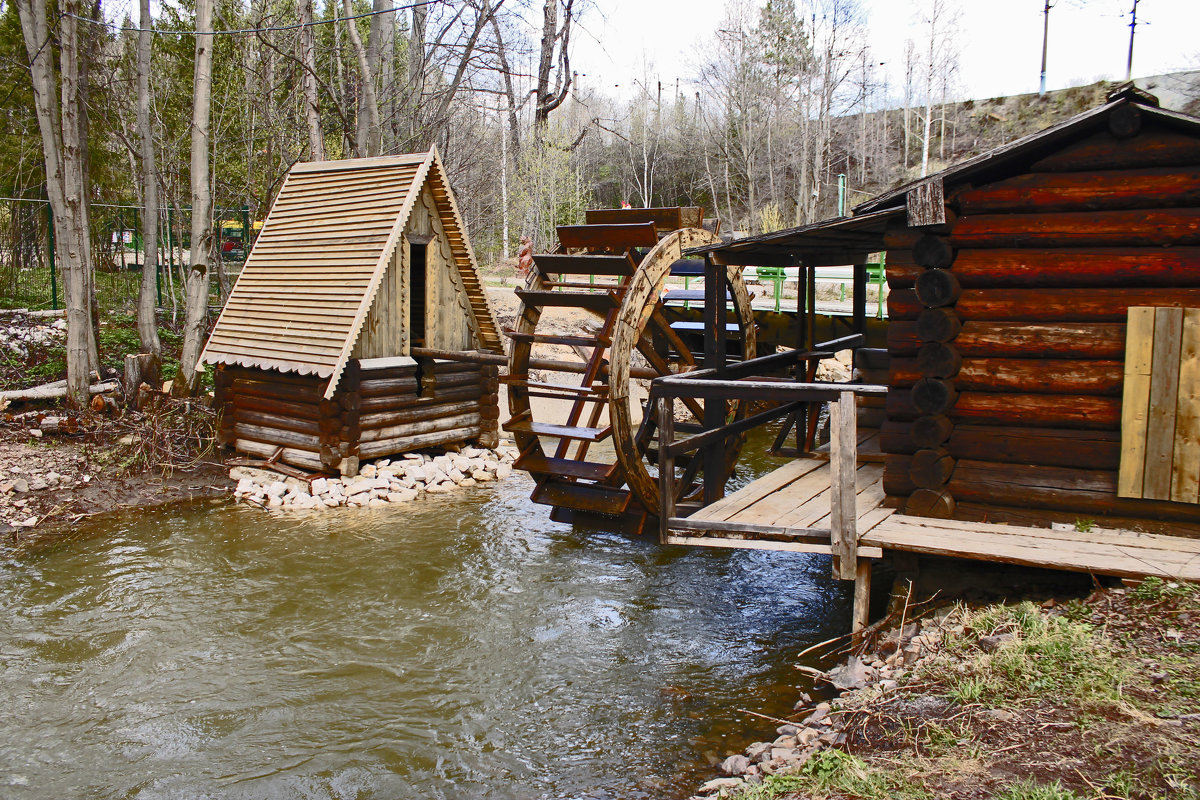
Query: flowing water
463, 647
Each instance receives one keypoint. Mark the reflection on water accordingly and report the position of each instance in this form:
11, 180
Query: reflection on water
463, 647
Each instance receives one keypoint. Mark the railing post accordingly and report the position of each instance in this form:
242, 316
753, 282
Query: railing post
843, 447
666, 466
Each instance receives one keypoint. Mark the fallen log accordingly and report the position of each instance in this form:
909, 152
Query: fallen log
56, 390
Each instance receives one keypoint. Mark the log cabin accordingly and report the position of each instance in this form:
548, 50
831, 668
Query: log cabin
1043, 346
359, 262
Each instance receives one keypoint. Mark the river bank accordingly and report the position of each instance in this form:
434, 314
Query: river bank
50, 483
1063, 700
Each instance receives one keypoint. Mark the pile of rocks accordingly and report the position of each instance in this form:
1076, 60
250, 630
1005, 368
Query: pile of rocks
21, 333
862, 681
378, 484
24, 490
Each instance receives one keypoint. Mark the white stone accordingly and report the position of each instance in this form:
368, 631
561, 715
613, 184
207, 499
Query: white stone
465, 482
319, 486
331, 502
461, 464
276, 489
417, 472
481, 475
377, 502
295, 484
503, 471
367, 471
383, 462
382, 483
456, 475
245, 486
274, 501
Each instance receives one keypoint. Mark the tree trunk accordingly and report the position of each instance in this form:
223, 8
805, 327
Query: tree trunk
147, 321
547, 98
368, 135
312, 106
187, 381
65, 181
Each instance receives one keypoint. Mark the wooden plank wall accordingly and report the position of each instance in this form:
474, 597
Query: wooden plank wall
392, 406
447, 306
1160, 415
1007, 358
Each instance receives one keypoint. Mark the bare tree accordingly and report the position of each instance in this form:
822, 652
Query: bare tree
312, 104
147, 321
368, 139
66, 179
187, 382
556, 39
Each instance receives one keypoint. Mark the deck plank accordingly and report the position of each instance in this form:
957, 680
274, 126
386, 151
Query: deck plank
1033, 547
731, 504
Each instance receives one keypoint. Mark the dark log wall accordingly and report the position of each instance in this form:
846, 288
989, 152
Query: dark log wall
1007, 325
374, 413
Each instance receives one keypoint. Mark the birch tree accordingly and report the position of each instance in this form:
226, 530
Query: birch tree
312, 104
187, 382
57, 107
147, 321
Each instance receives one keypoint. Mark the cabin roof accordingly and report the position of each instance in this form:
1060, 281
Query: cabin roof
863, 231
308, 284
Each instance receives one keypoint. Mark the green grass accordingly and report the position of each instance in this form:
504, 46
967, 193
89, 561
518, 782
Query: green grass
834, 773
1032, 790
1050, 658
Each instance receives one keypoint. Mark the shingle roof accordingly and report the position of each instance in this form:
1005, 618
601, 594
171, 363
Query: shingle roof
308, 284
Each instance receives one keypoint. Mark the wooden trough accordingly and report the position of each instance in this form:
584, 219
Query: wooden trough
358, 263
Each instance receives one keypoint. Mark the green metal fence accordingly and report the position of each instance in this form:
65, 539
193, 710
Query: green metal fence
29, 276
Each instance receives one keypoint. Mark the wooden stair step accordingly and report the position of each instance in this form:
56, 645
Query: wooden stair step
588, 497
612, 237
685, 326
561, 431
595, 301
689, 267
517, 380
551, 338
540, 463
555, 263
680, 295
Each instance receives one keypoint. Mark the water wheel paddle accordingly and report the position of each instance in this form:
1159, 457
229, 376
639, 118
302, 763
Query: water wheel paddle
632, 340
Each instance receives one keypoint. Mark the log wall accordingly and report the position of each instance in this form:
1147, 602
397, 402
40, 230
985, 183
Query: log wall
387, 407
1007, 326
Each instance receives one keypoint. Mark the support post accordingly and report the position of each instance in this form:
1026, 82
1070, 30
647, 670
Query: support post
715, 354
859, 300
666, 466
862, 596
843, 486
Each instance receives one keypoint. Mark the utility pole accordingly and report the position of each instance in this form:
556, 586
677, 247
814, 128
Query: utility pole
1132, 30
1045, 42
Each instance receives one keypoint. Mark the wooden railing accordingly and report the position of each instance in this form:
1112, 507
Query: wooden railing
738, 382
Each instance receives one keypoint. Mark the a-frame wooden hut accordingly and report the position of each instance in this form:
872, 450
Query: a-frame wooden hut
358, 262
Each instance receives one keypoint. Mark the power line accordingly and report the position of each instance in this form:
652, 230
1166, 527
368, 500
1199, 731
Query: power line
296, 26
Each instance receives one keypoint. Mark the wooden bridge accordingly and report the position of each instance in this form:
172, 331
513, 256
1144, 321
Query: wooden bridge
837, 505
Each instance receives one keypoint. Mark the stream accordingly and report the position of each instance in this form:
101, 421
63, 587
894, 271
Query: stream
462, 647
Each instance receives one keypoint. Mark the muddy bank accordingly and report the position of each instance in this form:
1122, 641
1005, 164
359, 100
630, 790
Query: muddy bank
49, 484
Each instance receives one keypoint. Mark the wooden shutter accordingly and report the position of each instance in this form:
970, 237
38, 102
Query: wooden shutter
1160, 415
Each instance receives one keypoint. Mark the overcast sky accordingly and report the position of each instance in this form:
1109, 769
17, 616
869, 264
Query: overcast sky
1000, 43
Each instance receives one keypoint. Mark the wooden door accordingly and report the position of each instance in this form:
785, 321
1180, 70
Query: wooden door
1160, 413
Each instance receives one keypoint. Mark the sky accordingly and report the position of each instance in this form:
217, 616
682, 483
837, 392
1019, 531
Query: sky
1000, 42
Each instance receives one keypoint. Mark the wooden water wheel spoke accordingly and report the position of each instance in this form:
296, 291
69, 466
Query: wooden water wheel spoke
633, 321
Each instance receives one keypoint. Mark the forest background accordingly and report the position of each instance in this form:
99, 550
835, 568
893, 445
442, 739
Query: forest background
786, 97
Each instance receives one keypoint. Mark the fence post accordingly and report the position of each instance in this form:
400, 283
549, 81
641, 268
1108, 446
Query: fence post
50, 254
843, 447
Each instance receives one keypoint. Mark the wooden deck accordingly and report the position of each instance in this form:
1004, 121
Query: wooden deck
788, 510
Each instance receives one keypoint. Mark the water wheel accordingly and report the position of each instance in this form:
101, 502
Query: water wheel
587, 439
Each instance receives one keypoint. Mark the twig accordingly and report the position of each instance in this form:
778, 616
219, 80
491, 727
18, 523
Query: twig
766, 717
